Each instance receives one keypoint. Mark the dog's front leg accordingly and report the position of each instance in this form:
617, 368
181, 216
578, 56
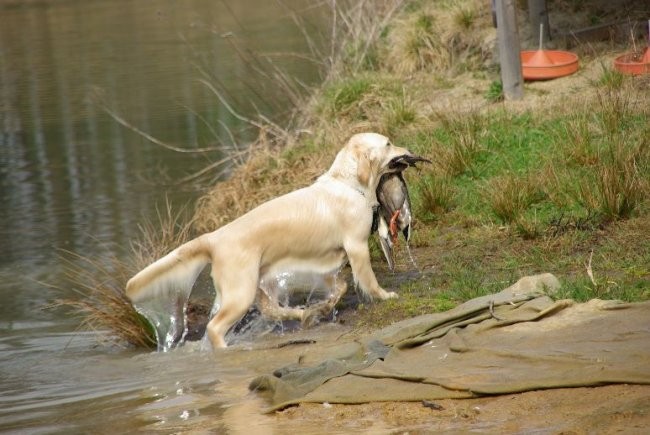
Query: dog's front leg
359, 256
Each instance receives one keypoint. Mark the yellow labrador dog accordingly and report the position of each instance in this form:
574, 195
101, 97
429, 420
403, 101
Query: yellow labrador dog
312, 230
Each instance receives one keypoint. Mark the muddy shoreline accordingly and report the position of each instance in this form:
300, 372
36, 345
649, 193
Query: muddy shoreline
607, 409
603, 409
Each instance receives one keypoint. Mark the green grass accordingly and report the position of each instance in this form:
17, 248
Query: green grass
513, 194
512, 166
513, 190
582, 289
368, 97
343, 97
494, 94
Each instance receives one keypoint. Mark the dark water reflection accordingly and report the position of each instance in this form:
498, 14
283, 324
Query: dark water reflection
72, 178
81, 390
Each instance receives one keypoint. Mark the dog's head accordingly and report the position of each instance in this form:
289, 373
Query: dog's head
368, 156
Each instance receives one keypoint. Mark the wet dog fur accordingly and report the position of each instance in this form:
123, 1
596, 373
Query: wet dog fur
313, 229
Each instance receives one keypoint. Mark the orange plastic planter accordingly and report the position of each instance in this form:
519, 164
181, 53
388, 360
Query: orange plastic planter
633, 63
548, 64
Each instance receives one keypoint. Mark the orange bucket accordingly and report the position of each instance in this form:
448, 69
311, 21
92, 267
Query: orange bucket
634, 63
548, 64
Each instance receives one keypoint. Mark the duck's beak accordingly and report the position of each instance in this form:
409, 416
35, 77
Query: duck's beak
402, 162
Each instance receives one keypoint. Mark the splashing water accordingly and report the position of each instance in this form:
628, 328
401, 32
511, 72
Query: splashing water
252, 326
415, 265
299, 287
167, 312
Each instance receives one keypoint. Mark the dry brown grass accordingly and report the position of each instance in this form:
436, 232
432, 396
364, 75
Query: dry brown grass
356, 28
265, 174
158, 237
441, 36
275, 164
101, 303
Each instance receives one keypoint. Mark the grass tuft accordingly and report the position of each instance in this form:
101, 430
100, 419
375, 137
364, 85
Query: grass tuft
510, 195
398, 113
101, 303
610, 79
615, 187
464, 17
462, 141
438, 38
494, 94
435, 195
100, 300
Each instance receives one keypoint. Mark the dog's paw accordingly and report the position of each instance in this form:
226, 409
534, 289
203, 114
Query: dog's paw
313, 314
387, 295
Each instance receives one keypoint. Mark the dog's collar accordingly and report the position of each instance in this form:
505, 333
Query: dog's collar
356, 189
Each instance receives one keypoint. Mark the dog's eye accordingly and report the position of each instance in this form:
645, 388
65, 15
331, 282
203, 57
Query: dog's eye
388, 144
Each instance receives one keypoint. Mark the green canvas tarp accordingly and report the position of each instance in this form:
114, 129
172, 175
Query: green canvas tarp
517, 340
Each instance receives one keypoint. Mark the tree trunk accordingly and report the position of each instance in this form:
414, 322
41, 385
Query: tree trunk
509, 50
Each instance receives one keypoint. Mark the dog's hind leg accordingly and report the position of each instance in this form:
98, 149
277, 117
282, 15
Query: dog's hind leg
237, 294
325, 308
271, 309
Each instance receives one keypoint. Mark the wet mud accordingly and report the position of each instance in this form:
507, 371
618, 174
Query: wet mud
606, 409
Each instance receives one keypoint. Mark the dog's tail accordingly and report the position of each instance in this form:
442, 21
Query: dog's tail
174, 273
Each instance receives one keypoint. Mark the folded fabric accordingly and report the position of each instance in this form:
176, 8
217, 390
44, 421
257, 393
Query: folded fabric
517, 340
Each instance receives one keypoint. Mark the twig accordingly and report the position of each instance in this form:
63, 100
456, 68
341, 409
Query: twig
205, 122
491, 308
228, 107
229, 158
590, 272
295, 342
152, 139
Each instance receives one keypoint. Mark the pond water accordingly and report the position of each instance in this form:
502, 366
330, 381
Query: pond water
74, 179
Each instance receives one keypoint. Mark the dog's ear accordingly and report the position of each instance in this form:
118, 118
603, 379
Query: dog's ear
363, 168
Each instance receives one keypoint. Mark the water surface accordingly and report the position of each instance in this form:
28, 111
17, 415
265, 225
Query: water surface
74, 179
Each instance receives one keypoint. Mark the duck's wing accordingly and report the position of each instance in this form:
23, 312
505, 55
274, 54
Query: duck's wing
406, 215
386, 242
390, 194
